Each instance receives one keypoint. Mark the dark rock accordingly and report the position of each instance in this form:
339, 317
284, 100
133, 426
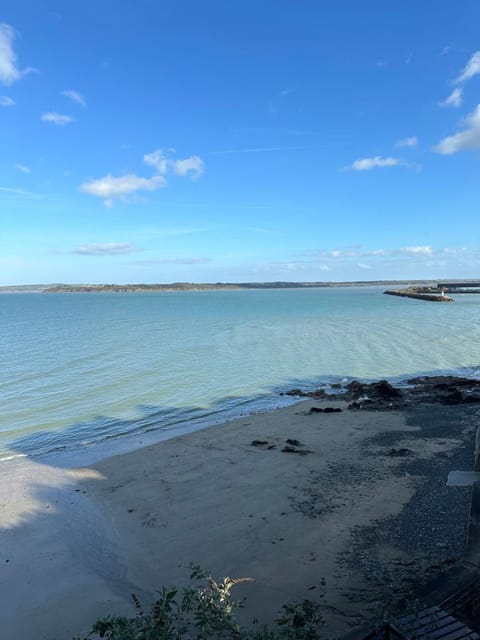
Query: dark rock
318, 393
294, 443
290, 449
381, 389
296, 392
399, 453
258, 443
471, 397
316, 410
454, 397
443, 381
332, 410
376, 395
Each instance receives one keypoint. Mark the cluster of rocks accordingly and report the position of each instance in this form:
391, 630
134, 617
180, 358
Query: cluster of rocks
445, 389
292, 446
382, 396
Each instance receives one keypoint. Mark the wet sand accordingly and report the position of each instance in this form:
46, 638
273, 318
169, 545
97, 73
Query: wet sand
342, 517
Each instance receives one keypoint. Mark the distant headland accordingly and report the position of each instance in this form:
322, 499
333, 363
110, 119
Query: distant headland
201, 286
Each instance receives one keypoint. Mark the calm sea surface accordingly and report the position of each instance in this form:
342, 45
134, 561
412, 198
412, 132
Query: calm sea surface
77, 369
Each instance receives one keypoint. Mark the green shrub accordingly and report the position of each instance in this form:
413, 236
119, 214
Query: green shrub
205, 610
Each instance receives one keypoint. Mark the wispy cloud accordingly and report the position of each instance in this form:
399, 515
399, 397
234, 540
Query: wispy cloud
112, 188
364, 265
412, 141
417, 249
223, 152
58, 119
455, 99
367, 164
193, 260
106, 249
9, 70
350, 253
23, 168
6, 101
472, 68
466, 140
75, 96
333, 253
20, 192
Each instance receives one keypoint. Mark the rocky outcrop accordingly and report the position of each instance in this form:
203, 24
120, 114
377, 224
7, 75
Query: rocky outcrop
376, 395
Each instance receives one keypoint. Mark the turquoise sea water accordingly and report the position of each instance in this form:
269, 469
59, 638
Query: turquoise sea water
76, 369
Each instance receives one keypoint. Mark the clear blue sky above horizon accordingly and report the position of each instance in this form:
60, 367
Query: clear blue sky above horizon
236, 141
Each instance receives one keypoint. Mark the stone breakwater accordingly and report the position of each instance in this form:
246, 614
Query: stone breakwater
419, 294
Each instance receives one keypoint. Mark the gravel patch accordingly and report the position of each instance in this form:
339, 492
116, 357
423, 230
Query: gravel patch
397, 555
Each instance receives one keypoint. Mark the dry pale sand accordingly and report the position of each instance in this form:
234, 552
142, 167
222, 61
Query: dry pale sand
75, 543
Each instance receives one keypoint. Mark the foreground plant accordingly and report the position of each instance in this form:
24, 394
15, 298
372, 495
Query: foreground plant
205, 610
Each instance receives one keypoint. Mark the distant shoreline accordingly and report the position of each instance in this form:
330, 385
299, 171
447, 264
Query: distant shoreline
198, 286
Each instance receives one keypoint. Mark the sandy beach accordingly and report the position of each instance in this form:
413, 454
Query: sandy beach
350, 509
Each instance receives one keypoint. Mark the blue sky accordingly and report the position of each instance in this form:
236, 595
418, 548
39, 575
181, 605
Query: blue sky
228, 140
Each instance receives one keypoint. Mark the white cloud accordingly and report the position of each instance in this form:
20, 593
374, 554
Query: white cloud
57, 118
363, 265
116, 188
174, 261
454, 99
6, 101
338, 255
193, 166
23, 168
163, 163
110, 188
75, 96
377, 252
465, 140
9, 71
366, 164
419, 249
412, 141
472, 68
333, 253
106, 249
158, 160
455, 250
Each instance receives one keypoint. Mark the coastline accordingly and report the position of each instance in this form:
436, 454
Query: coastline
340, 525
80, 452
